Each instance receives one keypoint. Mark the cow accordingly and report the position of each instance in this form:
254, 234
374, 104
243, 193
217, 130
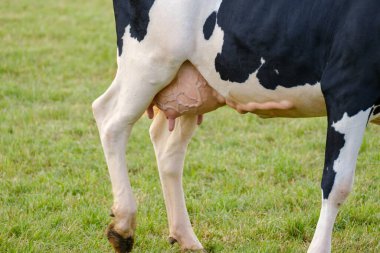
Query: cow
277, 58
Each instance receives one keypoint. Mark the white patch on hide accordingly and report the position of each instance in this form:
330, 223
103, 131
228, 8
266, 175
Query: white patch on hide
349, 126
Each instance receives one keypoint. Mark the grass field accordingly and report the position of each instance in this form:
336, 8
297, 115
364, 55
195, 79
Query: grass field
252, 185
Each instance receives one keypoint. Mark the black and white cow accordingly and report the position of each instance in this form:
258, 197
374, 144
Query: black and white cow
288, 58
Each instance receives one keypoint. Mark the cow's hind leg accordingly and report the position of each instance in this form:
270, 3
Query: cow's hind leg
170, 149
135, 85
344, 138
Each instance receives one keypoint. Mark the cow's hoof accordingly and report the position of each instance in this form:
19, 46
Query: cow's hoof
172, 240
119, 243
194, 251
184, 249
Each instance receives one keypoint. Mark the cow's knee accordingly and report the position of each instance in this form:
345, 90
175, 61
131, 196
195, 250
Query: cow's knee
340, 192
336, 189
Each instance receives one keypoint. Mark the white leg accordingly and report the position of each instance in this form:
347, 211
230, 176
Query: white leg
170, 149
133, 89
344, 139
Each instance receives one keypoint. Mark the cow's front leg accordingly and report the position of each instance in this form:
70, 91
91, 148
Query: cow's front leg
344, 138
133, 89
170, 148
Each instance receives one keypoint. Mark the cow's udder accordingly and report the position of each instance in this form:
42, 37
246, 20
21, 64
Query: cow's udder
188, 93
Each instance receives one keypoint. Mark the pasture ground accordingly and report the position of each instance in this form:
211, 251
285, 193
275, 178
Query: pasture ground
252, 185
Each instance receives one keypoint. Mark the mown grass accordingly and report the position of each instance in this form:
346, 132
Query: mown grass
252, 185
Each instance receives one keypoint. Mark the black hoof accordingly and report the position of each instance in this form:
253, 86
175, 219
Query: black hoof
120, 244
172, 240
111, 214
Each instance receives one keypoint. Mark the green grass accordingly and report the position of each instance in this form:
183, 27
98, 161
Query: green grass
252, 185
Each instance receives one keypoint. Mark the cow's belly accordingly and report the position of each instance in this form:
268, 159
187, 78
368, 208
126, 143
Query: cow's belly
299, 101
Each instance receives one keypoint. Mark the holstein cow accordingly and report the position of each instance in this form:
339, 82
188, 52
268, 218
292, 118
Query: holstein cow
287, 58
